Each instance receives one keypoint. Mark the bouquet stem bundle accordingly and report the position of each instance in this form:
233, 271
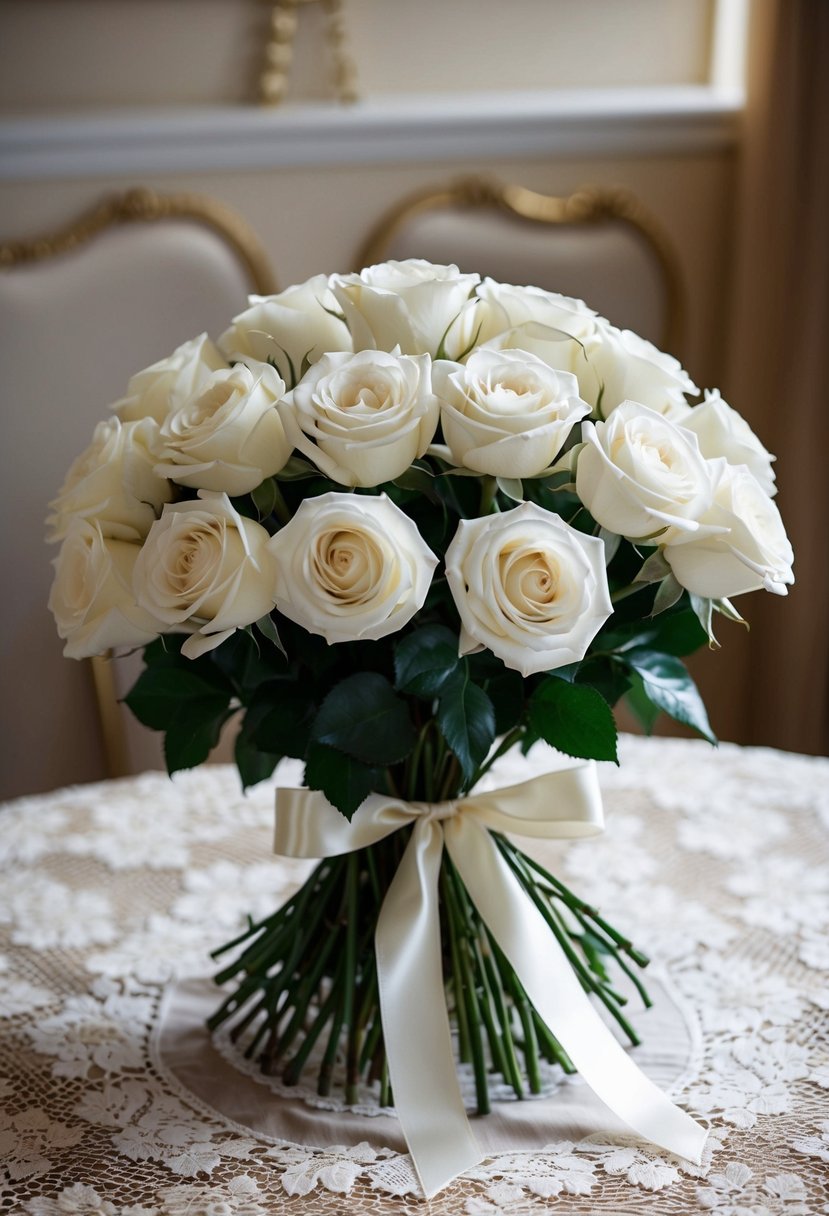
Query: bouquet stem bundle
306, 976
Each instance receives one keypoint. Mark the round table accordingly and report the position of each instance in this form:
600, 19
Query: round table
116, 1102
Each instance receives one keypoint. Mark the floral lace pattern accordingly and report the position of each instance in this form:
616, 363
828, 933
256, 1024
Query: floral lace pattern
716, 862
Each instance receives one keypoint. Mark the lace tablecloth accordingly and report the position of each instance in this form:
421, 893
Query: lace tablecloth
714, 861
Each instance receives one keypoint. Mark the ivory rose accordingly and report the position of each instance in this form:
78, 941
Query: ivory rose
291, 329
362, 419
228, 437
502, 306
351, 566
529, 587
205, 570
625, 367
91, 597
721, 431
409, 305
742, 545
155, 391
114, 482
638, 473
506, 413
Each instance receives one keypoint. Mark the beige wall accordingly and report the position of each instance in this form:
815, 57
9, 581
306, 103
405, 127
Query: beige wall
70, 54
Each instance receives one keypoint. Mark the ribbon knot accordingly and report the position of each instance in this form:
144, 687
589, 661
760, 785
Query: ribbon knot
563, 804
437, 812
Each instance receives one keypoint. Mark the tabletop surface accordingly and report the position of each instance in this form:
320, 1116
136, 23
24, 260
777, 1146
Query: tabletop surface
115, 1102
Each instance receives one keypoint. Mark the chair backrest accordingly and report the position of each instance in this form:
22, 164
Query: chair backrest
80, 311
598, 244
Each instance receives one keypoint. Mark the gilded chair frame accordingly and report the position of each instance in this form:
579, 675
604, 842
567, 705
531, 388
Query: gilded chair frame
589, 205
140, 205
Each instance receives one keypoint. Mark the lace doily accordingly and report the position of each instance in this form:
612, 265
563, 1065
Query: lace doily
715, 861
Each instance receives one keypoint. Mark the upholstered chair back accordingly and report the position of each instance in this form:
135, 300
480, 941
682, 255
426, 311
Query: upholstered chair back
600, 245
80, 311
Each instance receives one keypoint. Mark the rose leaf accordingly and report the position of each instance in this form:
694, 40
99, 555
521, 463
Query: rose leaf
425, 660
467, 722
344, 781
193, 736
668, 684
363, 717
162, 696
573, 718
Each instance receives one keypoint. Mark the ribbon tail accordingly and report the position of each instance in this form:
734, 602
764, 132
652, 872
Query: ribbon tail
555, 991
415, 1020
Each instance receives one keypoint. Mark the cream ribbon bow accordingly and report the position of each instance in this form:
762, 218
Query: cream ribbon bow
562, 804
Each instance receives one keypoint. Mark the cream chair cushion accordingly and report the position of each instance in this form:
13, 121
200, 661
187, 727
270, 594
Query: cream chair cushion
73, 328
608, 265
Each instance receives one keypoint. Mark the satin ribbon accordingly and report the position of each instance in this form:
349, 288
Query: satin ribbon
562, 804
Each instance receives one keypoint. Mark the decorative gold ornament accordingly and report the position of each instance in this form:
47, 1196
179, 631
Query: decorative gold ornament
142, 205
279, 52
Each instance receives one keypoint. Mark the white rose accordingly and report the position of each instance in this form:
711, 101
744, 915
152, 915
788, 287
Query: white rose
721, 431
113, 481
229, 437
291, 330
742, 545
362, 419
529, 587
92, 599
626, 367
205, 570
639, 473
407, 304
155, 391
351, 566
502, 306
506, 413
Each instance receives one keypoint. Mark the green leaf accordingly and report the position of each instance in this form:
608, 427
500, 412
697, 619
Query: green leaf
607, 677
344, 781
641, 706
189, 741
467, 722
279, 719
654, 569
669, 593
704, 609
163, 696
265, 498
363, 717
425, 660
575, 719
418, 480
297, 469
253, 765
506, 692
667, 683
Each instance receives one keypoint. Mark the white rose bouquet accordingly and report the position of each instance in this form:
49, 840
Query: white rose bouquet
399, 523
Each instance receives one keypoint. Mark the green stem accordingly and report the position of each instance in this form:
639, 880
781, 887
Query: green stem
577, 905
456, 895
464, 1050
588, 981
489, 488
350, 1003
510, 739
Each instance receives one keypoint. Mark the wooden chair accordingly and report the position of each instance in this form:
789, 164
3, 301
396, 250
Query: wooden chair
81, 309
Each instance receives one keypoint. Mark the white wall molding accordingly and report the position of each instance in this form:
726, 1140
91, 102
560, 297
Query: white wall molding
400, 129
